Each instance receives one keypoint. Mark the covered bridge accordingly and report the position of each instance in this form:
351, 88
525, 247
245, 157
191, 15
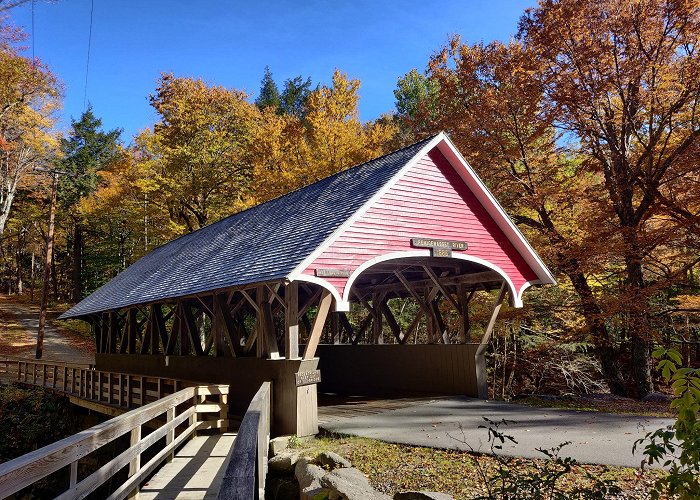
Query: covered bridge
266, 294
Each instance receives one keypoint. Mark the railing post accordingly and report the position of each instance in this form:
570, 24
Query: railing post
193, 417
73, 474
43, 375
142, 391
223, 413
135, 464
109, 388
55, 376
128, 391
170, 436
120, 388
65, 377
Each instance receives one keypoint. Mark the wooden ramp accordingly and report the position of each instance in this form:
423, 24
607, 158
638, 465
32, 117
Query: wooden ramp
196, 471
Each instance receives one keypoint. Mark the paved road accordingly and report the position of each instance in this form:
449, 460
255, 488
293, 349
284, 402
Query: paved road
596, 438
57, 347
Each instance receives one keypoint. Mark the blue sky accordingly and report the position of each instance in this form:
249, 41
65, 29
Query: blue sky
230, 42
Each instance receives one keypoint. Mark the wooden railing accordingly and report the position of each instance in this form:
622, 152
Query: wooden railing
10, 368
120, 391
247, 468
27, 469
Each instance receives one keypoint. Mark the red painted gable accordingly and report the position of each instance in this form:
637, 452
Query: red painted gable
429, 200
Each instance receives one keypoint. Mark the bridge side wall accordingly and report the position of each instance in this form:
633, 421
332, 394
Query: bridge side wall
294, 408
381, 370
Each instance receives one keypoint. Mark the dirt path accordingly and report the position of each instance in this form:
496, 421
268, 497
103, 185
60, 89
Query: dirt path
19, 322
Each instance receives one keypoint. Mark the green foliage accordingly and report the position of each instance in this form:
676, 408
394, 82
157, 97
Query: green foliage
416, 96
677, 447
294, 441
30, 419
543, 481
269, 93
86, 151
294, 96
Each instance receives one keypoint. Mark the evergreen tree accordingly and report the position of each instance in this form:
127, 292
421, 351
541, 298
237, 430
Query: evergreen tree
86, 151
269, 93
296, 92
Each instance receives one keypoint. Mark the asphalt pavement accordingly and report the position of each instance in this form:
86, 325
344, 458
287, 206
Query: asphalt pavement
596, 437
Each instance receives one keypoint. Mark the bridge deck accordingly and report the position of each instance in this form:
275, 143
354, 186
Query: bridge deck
195, 472
332, 408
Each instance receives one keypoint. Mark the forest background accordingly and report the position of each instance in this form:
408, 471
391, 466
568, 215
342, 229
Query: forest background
584, 125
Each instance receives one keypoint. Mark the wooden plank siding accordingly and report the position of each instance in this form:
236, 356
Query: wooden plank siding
429, 200
392, 370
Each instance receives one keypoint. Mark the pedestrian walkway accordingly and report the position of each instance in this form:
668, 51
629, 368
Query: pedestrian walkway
195, 472
453, 423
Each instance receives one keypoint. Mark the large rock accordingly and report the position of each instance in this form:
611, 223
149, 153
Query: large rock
278, 445
350, 484
332, 460
422, 495
309, 476
284, 462
656, 397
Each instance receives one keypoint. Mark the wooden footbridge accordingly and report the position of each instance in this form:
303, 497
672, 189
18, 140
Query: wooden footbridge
179, 441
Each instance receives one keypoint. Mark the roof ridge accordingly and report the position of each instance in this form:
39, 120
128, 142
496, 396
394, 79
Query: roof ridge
427, 139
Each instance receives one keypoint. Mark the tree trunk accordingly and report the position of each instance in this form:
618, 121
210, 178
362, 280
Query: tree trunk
19, 270
640, 328
77, 273
604, 349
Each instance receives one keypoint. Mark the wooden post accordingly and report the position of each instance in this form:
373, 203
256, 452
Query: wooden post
133, 329
479, 357
267, 341
170, 436
110, 320
378, 323
291, 320
135, 464
73, 474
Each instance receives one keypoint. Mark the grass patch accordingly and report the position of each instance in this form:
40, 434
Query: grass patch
394, 467
621, 406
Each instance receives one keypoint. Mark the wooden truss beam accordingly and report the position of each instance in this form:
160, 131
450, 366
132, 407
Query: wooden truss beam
479, 357
319, 322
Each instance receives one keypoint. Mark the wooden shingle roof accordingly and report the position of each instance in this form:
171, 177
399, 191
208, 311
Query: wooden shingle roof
264, 243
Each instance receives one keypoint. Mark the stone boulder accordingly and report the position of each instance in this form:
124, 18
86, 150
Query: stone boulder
332, 460
283, 463
309, 477
656, 397
350, 484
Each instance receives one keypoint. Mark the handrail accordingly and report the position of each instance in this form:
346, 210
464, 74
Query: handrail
120, 390
27, 469
245, 474
10, 357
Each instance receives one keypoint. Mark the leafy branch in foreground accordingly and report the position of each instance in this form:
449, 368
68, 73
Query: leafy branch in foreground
677, 447
543, 481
